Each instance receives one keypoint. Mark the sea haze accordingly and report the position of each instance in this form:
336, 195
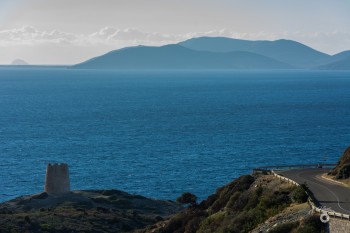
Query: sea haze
161, 133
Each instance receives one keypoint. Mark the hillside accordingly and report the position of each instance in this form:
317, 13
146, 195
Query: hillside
83, 211
179, 57
340, 56
287, 51
341, 64
259, 203
251, 203
342, 170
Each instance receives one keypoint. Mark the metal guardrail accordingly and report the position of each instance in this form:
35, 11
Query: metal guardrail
311, 202
284, 178
288, 167
331, 214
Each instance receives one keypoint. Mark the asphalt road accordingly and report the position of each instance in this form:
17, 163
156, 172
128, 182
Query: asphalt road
328, 193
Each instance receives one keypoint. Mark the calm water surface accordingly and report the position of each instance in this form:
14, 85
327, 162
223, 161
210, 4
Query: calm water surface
162, 133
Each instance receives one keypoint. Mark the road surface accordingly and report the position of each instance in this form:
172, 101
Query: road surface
329, 194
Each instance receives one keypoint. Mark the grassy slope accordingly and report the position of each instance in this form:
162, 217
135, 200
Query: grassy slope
247, 203
258, 203
83, 211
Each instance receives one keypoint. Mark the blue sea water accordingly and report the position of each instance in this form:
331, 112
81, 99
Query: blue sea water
161, 133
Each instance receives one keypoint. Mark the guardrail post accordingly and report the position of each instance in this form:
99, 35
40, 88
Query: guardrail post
310, 201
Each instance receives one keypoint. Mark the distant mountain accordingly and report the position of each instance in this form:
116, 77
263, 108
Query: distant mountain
287, 51
339, 64
179, 57
340, 56
19, 62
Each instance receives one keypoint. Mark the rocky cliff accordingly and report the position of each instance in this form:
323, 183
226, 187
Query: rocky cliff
259, 203
342, 170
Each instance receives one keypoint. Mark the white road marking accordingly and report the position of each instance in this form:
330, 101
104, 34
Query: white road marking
338, 201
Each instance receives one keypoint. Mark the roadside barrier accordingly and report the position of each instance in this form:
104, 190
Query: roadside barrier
284, 178
311, 202
288, 167
331, 214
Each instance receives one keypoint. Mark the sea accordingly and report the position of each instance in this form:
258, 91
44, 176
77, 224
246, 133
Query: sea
162, 133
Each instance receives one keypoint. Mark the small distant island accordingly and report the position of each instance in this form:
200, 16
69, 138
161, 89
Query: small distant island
19, 62
220, 53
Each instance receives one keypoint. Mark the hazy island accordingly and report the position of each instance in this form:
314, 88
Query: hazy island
220, 53
19, 62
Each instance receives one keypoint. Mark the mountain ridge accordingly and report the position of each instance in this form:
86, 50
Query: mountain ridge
175, 56
219, 53
287, 51
338, 64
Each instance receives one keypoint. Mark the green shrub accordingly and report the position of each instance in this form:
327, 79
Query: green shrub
233, 199
299, 195
254, 199
212, 222
241, 202
277, 200
193, 225
187, 198
45, 227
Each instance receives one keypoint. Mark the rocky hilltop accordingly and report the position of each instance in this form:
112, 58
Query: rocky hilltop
251, 203
83, 211
342, 170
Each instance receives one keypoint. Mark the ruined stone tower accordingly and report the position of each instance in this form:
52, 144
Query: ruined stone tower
57, 179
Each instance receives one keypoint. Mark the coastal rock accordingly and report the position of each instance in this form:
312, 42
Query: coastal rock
342, 170
83, 211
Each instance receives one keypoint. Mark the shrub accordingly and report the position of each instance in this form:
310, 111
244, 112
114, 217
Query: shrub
187, 198
212, 222
276, 200
254, 199
27, 219
299, 194
312, 224
344, 172
193, 225
233, 199
45, 227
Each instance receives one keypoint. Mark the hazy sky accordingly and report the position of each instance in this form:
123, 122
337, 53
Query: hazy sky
70, 31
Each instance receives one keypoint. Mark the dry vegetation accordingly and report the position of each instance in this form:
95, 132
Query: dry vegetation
83, 211
341, 172
249, 203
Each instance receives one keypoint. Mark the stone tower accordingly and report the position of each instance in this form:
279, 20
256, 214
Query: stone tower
57, 179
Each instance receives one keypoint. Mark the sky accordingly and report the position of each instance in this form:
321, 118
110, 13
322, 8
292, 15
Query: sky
71, 31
